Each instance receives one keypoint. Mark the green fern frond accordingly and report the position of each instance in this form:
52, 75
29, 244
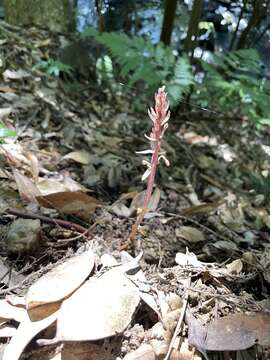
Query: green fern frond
181, 80
140, 60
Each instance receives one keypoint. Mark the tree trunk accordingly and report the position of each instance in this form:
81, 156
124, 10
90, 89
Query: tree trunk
167, 26
256, 17
193, 27
243, 9
57, 15
101, 21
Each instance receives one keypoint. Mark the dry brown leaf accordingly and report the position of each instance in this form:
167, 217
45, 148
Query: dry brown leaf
138, 200
235, 267
46, 294
85, 351
7, 89
34, 165
16, 300
190, 234
50, 186
202, 209
238, 332
70, 203
233, 218
72, 185
27, 189
82, 157
129, 195
121, 209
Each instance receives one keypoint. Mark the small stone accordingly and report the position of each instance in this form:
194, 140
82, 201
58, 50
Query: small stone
24, 236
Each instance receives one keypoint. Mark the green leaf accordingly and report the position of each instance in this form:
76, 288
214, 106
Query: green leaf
5, 132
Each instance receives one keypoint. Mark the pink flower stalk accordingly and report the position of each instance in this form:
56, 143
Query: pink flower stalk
160, 116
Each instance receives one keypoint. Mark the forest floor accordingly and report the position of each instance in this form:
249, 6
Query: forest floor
71, 179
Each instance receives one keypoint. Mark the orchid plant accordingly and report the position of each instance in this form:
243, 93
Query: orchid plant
159, 115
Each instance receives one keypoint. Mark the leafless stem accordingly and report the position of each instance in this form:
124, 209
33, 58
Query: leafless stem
159, 116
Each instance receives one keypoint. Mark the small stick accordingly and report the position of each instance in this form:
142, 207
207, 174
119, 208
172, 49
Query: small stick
180, 322
66, 224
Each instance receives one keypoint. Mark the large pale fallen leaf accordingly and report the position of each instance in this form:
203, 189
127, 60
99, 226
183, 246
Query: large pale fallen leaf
70, 203
45, 295
100, 308
26, 331
82, 157
140, 280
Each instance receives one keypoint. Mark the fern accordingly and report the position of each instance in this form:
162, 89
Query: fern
234, 81
181, 80
141, 61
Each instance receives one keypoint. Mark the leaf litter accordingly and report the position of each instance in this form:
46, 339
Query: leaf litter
204, 270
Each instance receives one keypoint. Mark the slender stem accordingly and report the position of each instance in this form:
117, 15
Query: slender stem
151, 178
160, 116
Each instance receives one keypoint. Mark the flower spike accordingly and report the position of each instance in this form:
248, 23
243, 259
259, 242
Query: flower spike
160, 116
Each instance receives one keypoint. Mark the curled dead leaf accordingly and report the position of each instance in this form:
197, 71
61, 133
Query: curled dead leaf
70, 203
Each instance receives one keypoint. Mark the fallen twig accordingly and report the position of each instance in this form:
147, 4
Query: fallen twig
180, 321
64, 223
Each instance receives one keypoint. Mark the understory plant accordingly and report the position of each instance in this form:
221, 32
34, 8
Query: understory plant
225, 82
53, 67
5, 132
141, 61
159, 116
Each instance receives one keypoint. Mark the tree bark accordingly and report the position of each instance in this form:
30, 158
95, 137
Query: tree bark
256, 17
193, 27
56, 15
168, 19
